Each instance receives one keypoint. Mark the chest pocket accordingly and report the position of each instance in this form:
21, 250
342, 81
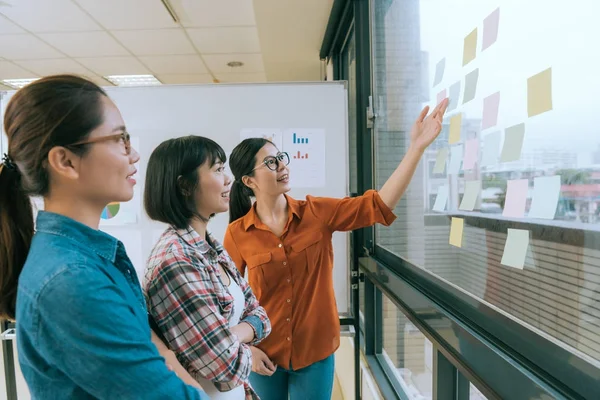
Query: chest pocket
307, 251
256, 274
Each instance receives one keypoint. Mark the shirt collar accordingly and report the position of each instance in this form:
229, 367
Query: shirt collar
251, 219
100, 242
191, 237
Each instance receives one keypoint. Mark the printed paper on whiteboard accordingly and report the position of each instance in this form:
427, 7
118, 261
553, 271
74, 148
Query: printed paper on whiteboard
273, 135
306, 148
124, 213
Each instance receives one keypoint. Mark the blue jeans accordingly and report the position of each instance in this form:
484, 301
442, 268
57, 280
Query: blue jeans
314, 382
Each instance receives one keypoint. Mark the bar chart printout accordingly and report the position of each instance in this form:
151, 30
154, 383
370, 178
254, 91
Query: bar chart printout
306, 148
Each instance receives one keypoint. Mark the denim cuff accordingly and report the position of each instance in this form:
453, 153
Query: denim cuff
256, 324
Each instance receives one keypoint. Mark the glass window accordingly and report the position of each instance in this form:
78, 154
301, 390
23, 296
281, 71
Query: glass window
557, 292
408, 353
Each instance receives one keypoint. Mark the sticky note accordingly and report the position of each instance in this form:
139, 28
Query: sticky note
439, 71
513, 143
490, 110
539, 93
440, 161
453, 96
455, 125
469, 200
471, 154
440, 96
546, 192
490, 29
491, 149
471, 85
456, 231
456, 159
441, 200
470, 47
515, 248
516, 198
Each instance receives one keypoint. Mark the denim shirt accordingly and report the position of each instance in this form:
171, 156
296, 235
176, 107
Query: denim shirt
82, 324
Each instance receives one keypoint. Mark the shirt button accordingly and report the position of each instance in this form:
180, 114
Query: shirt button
288, 319
289, 280
289, 300
289, 338
284, 263
280, 245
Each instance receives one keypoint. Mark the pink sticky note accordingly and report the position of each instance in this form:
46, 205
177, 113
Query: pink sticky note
490, 29
471, 154
516, 198
441, 96
490, 110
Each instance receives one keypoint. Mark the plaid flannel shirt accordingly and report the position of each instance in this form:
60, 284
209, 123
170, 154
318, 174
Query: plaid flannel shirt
191, 307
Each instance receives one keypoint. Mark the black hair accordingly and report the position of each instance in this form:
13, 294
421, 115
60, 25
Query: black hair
57, 110
172, 178
242, 163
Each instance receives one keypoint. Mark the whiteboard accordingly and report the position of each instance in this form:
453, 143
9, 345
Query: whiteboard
221, 112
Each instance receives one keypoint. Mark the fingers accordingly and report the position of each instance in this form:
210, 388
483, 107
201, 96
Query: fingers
269, 364
423, 114
442, 108
266, 370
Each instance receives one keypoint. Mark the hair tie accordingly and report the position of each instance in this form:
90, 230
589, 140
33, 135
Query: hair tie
9, 163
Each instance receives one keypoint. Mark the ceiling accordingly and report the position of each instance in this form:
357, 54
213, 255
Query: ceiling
276, 40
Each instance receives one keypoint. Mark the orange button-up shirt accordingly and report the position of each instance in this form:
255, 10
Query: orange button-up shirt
292, 275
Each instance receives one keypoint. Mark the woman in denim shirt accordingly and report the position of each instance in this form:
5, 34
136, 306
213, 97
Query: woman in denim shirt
204, 308
82, 324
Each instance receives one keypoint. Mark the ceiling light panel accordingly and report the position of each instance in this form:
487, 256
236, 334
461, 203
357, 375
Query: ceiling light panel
133, 80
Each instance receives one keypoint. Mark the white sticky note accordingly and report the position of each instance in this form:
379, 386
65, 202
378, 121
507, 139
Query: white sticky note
513, 143
546, 192
469, 200
471, 80
440, 161
439, 71
491, 149
515, 248
441, 199
456, 159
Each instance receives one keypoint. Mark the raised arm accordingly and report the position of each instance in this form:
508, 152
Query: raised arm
183, 301
424, 131
100, 343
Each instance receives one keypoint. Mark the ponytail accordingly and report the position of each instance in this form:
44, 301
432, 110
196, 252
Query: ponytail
16, 233
240, 201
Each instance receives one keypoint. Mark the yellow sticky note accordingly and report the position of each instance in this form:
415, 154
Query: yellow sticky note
539, 93
470, 49
456, 231
455, 124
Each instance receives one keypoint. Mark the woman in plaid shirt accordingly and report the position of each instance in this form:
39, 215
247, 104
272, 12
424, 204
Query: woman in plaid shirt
202, 306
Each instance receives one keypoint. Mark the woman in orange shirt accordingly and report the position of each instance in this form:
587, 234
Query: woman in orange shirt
286, 245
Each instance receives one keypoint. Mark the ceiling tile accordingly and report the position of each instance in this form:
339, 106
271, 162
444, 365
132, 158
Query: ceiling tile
225, 40
129, 14
8, 27
242, 77
25, 47
175, 64
54, 66
155, 42
114, 65
181, 79
9, 70
193, 13
49, 16
217, 63
85, 44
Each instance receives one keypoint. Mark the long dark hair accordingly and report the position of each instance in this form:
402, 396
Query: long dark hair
53, 111
242, 162
172, 178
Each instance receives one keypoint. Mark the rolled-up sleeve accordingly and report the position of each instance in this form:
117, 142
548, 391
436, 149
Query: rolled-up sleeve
352, 213
93, 336
182, 300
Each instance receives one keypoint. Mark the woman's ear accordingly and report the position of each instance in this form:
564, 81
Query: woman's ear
183, 186
249, 182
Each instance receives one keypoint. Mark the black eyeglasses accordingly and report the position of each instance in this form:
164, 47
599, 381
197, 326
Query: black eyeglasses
123, 136
273, 162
